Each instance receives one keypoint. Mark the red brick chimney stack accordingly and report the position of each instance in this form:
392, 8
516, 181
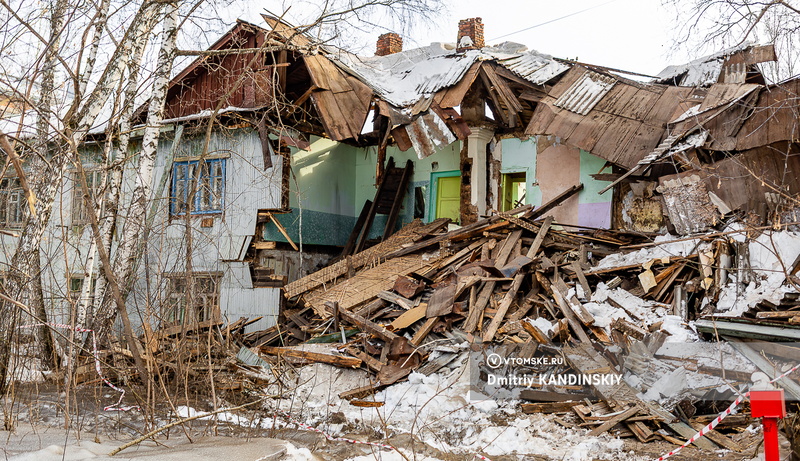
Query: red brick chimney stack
389, 43
472, 28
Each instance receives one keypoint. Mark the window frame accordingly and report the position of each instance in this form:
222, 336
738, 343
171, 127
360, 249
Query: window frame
188, 178
5, 203
79, 211
175, 307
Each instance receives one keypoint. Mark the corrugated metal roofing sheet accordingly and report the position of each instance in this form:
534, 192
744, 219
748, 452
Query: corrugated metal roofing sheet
404, 78
534, 67
585, 93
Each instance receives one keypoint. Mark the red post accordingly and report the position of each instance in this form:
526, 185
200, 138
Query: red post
769, 405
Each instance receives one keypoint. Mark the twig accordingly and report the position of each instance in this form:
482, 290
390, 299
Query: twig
180, 421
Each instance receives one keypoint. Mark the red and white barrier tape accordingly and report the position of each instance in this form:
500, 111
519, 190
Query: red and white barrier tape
342, 439
117, 406
720, 417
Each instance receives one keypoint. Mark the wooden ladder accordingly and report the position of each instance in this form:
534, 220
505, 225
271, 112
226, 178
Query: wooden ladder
388, 201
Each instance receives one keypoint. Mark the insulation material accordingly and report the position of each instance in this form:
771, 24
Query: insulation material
687, 203
429, 133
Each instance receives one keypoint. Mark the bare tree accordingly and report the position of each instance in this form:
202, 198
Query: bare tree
82, 69
705, 24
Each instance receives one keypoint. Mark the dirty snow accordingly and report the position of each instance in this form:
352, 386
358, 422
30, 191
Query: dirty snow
666, 248
771, 253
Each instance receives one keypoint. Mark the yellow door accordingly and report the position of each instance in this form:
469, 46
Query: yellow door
448, 197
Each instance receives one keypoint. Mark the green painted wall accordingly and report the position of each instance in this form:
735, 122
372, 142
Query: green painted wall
591, 164
334, 180
519, 156
323, 186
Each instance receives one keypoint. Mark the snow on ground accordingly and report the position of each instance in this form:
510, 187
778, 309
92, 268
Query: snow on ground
41, 443
438, 411
771, 255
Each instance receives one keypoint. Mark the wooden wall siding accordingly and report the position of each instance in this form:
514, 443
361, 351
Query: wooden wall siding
722, 112
775, 119
623, 127
342, 101
226, 79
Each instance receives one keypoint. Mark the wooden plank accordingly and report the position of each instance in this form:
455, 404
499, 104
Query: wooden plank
427, 327
337, 360
372, 363
777, 315
511, 294
622, 416
764, 365
576, 266
368, 325
720, 439
562, 290
410, 317
282, 231
441, 302
475, 316
549, 407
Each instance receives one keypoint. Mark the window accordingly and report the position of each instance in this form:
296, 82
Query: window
13, 206
205, 298
76, 287
94, 179
198, 198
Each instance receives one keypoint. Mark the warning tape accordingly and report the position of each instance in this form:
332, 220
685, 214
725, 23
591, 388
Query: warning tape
343, 439
710, 426
117, 406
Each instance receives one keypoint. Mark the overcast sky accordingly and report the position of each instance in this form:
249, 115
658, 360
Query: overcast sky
633, 35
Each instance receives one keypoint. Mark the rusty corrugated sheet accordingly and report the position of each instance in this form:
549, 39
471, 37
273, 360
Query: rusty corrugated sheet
623, 126
429, 133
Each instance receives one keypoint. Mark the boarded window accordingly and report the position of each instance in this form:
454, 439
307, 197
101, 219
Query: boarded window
198, 192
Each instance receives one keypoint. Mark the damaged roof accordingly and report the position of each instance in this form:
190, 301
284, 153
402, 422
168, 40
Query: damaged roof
614, 118
402, 79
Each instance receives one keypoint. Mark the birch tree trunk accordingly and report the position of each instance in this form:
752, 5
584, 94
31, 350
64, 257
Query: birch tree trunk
126, 257
48, 183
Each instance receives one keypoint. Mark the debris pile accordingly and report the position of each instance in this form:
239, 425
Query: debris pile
595, 302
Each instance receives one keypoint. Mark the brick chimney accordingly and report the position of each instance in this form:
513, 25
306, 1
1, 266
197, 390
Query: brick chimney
470, 34
389, 43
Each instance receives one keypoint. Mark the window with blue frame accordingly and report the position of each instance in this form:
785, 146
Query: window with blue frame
198, 192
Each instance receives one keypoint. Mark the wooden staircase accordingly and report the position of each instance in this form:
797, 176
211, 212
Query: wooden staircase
388, 201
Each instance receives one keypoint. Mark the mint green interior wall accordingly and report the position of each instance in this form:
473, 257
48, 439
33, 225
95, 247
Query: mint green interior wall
520, 156
591, 164
446, 159
322, 198
334, 180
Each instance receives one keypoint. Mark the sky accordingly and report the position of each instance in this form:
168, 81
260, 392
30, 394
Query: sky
633, 35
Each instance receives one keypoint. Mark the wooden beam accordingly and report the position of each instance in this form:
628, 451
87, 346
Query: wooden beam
337, 360
282, 231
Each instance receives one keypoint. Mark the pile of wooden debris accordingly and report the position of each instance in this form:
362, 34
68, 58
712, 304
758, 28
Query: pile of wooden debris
391, 309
